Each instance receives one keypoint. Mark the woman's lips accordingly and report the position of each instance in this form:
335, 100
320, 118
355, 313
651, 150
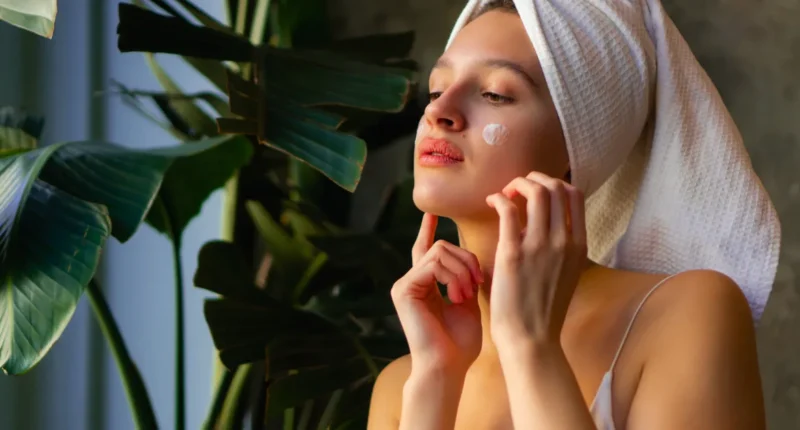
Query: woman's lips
438, 152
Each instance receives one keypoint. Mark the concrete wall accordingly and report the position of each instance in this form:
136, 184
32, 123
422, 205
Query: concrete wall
748, 47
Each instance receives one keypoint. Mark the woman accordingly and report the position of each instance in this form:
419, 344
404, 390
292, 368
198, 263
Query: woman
626, 310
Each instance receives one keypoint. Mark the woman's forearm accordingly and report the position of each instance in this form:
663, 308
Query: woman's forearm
542, 389
430, 400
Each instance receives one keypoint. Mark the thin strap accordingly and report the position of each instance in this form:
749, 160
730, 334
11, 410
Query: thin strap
630, 324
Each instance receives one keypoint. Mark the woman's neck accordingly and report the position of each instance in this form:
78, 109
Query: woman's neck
480, 238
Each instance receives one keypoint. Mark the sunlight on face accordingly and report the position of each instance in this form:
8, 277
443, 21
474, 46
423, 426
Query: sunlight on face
489, 75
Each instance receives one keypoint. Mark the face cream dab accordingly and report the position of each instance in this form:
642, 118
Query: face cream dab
495, 134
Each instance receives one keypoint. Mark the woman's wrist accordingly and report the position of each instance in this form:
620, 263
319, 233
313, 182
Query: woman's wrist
435, 377
430, 399
530, 349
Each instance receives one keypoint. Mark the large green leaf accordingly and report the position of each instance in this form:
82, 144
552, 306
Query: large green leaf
131, 31
50, 254
50, 245
190, 180
57, 206
247, 319
339, 156
36, 16
377, 48
143, 30
308, 77
126, 181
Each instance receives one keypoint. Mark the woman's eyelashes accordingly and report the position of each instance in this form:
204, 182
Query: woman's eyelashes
494, 98
497, 98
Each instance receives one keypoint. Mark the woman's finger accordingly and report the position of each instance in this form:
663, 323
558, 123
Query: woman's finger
468, 258
427, 231
463, 287
537, 206
510, 226
560, 218
442, 254
420, 282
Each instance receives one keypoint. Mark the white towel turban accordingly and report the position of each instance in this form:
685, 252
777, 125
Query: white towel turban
669, 182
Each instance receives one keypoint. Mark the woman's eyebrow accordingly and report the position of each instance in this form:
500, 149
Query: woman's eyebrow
494, 63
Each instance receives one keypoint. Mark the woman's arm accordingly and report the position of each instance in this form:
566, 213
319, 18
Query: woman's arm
425, 399
535, 275
430, 399
542, 389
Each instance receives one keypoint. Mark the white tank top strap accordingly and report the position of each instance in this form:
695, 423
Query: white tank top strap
633, 318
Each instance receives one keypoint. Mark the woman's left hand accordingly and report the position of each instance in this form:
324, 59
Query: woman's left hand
536, 268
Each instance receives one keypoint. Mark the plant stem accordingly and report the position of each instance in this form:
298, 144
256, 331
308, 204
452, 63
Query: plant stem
180, 372
135, 390
220, 394
227, 233
232, 404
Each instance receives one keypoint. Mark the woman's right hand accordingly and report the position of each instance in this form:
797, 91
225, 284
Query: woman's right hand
441, 336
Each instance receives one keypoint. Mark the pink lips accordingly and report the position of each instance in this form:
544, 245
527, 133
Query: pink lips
438, 152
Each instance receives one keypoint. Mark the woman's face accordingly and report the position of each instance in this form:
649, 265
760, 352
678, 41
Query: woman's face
490, 119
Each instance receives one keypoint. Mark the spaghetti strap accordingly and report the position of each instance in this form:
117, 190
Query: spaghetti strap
633, 318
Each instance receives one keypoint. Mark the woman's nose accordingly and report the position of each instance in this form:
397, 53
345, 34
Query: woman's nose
445, 112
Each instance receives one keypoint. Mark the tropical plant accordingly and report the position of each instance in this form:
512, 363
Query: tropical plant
309, 325
314, 305
58, 205
36, 16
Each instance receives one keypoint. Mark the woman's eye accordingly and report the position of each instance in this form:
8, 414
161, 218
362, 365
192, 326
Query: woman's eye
434, 95
497, 98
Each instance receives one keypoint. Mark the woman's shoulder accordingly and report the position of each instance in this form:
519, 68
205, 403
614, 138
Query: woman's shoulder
698, 353
699, 318
693, 297
395, 374
388, 390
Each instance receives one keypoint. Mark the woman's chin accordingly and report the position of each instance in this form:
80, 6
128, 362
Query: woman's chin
448, 203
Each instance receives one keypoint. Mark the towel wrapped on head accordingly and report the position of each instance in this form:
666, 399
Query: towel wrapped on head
669, 183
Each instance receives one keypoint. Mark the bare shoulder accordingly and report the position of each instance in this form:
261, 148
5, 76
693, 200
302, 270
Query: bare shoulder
703, 311
699, 303
701, 365
387, 394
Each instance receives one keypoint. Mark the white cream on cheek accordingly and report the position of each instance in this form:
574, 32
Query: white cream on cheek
495, 134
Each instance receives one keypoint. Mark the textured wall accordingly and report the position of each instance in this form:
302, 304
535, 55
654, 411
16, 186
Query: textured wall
748, 49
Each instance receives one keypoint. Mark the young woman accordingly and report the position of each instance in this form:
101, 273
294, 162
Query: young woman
625, 310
